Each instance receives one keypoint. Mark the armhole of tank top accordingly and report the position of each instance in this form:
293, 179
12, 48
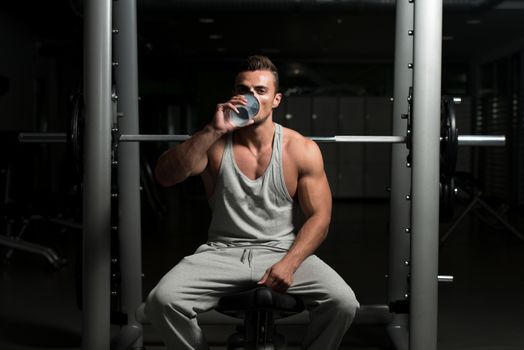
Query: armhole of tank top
220, 170
283, 186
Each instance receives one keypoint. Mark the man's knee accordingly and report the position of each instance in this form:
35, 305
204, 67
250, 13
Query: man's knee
167, 299
159, 299
155, 302
344, 301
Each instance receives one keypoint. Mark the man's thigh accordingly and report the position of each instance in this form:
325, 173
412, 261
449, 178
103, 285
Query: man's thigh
197, 282
315, 281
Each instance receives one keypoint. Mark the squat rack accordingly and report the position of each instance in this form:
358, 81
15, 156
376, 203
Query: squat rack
413, 256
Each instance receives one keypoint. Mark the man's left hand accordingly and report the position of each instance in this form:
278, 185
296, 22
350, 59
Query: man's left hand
278, 277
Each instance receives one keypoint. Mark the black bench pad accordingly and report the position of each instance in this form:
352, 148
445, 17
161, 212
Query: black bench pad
260, 298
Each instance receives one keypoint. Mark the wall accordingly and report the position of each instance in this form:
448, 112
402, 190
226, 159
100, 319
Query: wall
353, 170
18, 64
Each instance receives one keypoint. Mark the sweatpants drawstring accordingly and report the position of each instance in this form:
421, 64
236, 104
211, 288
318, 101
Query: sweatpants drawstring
247, 254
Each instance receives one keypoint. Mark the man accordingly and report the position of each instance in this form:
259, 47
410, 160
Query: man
253, 175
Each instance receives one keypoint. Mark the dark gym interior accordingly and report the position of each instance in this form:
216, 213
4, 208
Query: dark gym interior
335, 58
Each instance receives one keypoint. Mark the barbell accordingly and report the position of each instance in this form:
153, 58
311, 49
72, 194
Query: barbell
463, 140
450, 139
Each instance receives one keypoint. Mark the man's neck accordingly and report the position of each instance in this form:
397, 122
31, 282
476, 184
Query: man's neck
257, 136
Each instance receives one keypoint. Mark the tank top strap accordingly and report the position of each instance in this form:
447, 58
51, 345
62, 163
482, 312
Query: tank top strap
277, 145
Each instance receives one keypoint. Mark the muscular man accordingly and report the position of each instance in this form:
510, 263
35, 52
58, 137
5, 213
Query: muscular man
253, 176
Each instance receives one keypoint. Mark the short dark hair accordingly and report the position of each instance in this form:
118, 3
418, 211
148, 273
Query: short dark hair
259, 62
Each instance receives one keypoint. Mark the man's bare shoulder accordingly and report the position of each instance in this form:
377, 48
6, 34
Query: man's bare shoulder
302, 149
293, 138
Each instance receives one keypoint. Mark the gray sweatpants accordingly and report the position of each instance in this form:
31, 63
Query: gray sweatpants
196, 283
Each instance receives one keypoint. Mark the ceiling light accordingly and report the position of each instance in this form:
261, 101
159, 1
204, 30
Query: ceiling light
207, 20
215, 36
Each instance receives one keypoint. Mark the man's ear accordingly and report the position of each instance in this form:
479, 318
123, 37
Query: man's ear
277, 99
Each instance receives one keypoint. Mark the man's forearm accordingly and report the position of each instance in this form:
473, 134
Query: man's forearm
309, 238
186, 159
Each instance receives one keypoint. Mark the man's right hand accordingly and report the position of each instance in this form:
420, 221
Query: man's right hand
190, 157
222, 120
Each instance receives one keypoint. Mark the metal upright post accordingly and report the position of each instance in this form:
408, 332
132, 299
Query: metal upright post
129, 222
97, 175
425, 175
400, 208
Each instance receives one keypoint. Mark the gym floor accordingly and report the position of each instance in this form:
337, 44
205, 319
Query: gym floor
481, 310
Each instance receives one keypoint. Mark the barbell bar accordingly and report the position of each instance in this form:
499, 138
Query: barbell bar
481, 140
42, 137
463, 140
354, 138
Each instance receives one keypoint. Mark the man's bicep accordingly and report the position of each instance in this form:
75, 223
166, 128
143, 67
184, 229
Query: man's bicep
314, 194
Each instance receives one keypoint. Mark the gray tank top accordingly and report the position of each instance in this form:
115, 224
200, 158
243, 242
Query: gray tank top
252, 212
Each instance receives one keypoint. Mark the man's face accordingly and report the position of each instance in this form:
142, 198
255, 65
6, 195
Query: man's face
260, 83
